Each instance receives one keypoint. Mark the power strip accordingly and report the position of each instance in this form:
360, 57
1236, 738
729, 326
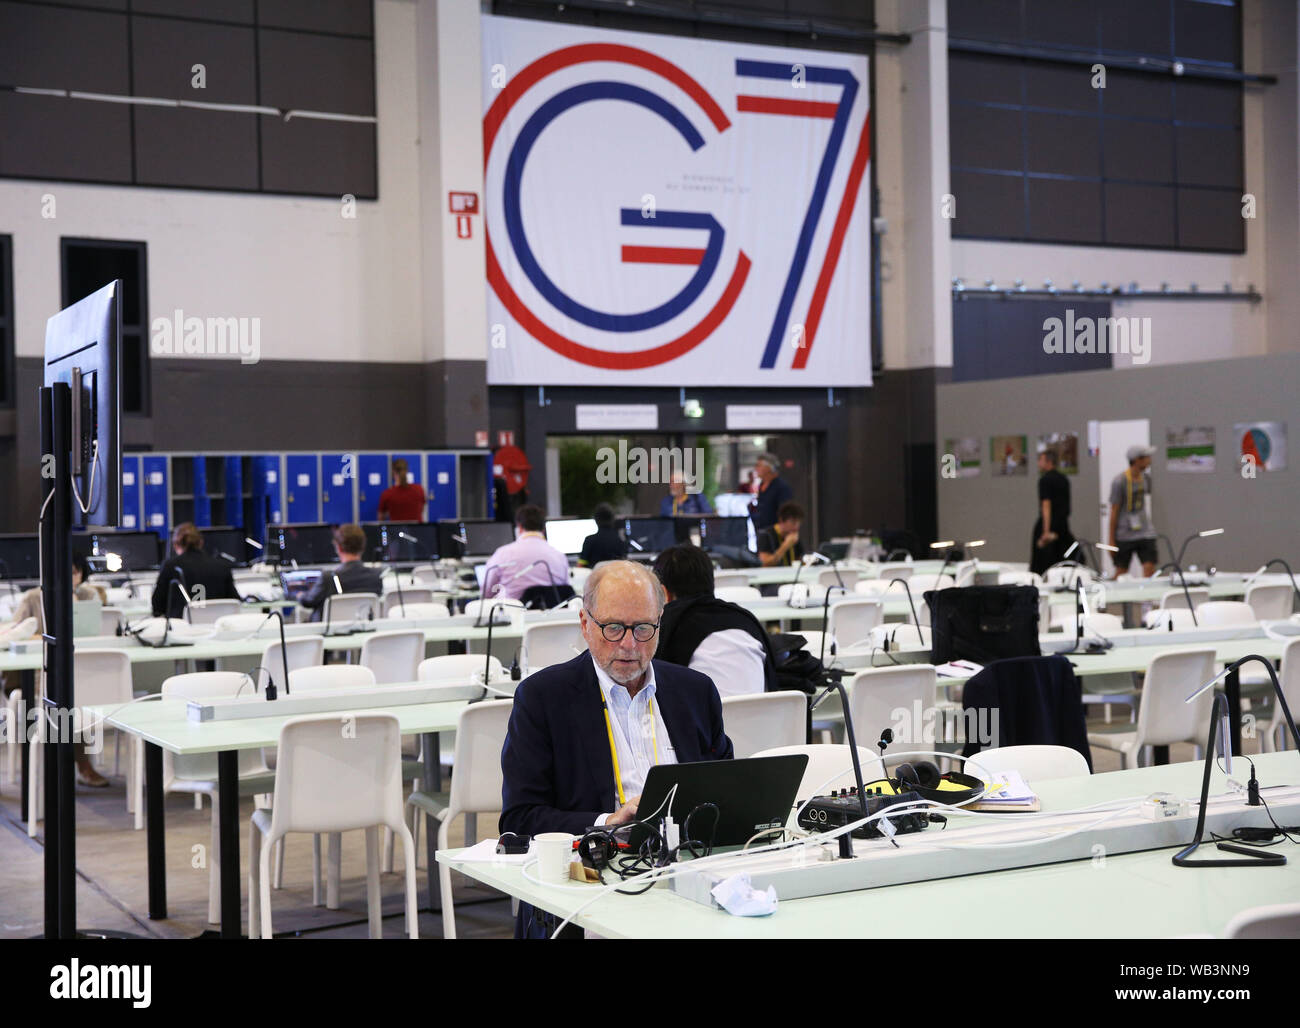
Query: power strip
321, 702
798, 873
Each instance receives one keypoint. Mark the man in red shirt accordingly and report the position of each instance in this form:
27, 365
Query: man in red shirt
404, 500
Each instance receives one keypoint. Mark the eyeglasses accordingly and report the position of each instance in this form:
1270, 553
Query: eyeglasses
642, 631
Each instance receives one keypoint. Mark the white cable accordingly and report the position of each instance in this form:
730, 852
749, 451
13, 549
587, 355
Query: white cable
94, 466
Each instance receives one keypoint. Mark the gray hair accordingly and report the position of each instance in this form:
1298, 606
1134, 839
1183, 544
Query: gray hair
621, 567
771, 460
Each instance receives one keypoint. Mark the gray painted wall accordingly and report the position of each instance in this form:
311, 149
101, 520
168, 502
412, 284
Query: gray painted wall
1260, 515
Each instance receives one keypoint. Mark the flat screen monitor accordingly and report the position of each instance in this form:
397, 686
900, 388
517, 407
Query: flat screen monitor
226, 544
21, 556
725, 532
387, 540
297, 584
138, 551
568, 536
650, 535
483, 538
83, 350
307, 544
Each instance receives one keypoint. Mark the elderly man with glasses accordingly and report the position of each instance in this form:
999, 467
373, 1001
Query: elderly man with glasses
584, 734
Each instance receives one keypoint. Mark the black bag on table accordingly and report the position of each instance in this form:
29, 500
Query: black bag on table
983, 623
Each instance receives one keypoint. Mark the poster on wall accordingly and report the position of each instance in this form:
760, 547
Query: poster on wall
967, 453
1007, 454
662, 209
1263, 443
1189, 449
1066, 445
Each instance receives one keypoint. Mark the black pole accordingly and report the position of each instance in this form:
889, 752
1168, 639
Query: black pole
56, 599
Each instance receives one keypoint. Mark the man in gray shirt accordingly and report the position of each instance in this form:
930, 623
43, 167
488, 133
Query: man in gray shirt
1131, 529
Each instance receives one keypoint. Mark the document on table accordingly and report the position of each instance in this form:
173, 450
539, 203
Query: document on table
958, 669
1004, 790
485, 852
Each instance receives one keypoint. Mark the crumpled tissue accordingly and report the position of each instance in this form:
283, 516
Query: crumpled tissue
737, 895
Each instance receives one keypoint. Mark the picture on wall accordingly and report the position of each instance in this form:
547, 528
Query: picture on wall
1066, 445
1007, 454
1189, 449
1264, 442
967, 452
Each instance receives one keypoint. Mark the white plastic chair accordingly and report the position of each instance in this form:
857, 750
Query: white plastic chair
364, 772
1289, 678
1276, 921
394, 657
198, 774
1180, 618
110, 620
829, 767
901, 636
475, 788
741, 594
845, 577
301, 651
1175, 598
1225, 613
419, 612
850, 622
102, 678
1035, 763
459, 668
394, 601
208, 612
234, 626
1021, 578
578, 578
902, 698
764, 721
1271, 602
896, 569
1163, 716
550, 642
819, 644
343, 609
11, 712
729, 580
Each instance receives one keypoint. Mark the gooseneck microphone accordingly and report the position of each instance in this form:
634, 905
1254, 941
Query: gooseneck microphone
1269, 564
397, 577
833, 677
911, 602
826, 621
284, 655
1182, 581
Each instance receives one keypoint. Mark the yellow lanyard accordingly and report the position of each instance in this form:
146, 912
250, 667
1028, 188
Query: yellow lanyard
613, 750
1128, 481
676, 504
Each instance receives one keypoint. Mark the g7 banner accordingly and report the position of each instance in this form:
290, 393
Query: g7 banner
671, 211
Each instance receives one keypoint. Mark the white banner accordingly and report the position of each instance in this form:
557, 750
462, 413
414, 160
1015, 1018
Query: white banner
666, 211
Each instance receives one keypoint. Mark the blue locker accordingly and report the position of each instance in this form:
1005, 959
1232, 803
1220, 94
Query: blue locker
131, 493
234, 479
440, 485
491, 488
372, 479
202, 503
155, 494
266, 493
338, 480
302, 487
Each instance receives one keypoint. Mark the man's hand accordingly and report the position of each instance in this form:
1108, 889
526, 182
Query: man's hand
625, 813
789, 540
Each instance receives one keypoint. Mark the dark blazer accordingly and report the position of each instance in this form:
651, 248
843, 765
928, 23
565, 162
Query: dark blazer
196, 569
557, 775
1026, 701
354, 576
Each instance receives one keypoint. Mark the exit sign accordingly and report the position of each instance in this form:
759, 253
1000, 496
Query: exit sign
462, 203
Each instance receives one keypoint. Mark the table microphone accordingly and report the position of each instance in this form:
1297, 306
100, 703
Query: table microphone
1276, 560
284, 655
846, 841
1182, 580
911, 602
826, 621
397, 577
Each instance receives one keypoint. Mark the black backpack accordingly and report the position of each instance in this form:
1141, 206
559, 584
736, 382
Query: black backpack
983, 623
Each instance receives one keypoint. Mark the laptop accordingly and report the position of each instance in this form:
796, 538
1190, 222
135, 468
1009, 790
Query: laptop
297, 584
752, 796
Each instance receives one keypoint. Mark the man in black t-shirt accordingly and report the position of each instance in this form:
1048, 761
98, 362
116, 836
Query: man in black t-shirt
1052, 535
779, 546
605, 543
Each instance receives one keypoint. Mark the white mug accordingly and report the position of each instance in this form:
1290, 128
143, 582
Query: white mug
554, 854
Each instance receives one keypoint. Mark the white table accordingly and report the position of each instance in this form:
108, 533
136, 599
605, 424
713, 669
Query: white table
1131, 895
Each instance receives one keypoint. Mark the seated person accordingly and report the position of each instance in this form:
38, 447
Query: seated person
716, 638
353, 576
605, 543
612, 707
202, 577
779, 545
679, 501
529, 560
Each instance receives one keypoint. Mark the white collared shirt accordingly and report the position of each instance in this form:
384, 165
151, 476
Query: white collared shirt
639, 745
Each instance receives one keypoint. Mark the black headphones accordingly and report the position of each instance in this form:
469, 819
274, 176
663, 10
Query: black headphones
921, 775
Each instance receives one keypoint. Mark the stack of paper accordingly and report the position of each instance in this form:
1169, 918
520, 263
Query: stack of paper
1005, 790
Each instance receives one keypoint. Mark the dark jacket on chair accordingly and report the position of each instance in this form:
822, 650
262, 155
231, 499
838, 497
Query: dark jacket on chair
193, 569
1026, 701
557, 775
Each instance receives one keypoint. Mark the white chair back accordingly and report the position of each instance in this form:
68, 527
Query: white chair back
301, 651
208, 685
737, 593
247, 624
820, 644
511, 610
1180, 618
901, 636
394, 601
1225, 613
764, 721
893, 570
103, 677
347, 608
845, 577
1276, 921
480, 734
1035, 763
829, 767
578, 578
901, 698
729, 580
363, 768
1289, 678
851, 621
418, 612
1021, 578
394, 657
550, 642
207, 612
1164, 716
458, 668
330, 677
1176, 599
1271, 602
110, 620
1103, 624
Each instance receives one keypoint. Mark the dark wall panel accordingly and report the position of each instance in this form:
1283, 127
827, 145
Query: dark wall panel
1004, 338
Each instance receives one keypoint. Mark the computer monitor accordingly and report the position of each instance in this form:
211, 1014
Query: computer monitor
297, 584
139, 551
21, 556
307, 544
568, 536
650, 535
734, 532
226, 544
483, 538
83, 350
386, 540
